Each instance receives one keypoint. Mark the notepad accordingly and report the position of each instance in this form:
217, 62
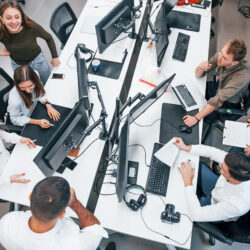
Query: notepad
236, 134
168, 153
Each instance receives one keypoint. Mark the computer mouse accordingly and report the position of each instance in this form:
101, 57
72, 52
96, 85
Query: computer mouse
185, 129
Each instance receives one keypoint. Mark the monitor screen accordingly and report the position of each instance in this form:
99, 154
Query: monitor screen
149, 99
122, 166
66, 137
110, 27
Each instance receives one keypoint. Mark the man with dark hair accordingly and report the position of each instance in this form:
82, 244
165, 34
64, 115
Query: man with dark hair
231, 86
224, 197
45, 227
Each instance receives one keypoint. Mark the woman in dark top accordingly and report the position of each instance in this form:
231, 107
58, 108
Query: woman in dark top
18, 33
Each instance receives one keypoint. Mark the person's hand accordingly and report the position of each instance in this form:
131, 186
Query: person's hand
43, 123
73, 200
4, 52
28, 141
16, 178
248, 123
247, 149
180, 144
189, 120
187, 173
205, 66
55, 62
52, 113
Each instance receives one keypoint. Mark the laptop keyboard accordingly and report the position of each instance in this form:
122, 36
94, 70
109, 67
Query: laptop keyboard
186, 95
158, 175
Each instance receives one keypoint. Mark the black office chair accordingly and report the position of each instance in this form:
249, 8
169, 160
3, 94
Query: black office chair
228, 232
62, 22
215, 3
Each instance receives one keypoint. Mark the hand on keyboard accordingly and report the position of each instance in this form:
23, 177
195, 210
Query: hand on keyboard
189, 120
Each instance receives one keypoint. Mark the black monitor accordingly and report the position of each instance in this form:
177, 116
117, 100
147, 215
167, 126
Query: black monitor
114, 23
122, 166
149, 99
53, 155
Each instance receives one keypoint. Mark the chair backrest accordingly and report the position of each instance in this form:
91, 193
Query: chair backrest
216, 2
246, 100
62, 22
6, 84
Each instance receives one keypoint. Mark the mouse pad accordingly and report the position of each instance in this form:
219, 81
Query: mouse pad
42, 135
171, 119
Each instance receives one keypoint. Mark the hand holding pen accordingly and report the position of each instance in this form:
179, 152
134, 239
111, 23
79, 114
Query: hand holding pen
28, 141
43, 123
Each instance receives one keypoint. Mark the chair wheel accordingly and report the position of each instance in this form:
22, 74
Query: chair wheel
211, 240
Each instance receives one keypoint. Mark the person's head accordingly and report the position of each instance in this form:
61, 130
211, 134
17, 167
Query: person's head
232, 53
26, 81
49, 198
236, 165
12, 18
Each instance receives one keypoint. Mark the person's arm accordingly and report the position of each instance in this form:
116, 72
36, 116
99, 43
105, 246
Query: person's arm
4, 52
52, 112
206, 66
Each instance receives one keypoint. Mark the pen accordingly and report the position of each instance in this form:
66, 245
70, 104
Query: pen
52, 125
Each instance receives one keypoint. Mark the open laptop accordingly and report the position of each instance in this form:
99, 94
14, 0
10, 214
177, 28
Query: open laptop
189, 95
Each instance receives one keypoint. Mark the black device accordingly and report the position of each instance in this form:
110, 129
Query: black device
169, 215
135, 204
66, 137
158, 175
57, 76
181, 47
120, 19
132, 172
184, 128
82, 47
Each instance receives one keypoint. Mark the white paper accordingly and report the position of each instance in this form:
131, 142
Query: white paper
112, 54
168, 153
236, 134
88, 24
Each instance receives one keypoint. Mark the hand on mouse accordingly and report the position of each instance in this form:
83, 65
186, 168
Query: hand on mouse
190, 120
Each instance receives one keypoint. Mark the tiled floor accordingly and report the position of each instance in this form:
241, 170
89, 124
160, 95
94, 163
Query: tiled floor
229, 24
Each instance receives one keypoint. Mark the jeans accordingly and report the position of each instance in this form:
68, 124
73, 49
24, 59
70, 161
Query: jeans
39, 64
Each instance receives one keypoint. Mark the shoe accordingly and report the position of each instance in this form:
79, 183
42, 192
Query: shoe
111, 246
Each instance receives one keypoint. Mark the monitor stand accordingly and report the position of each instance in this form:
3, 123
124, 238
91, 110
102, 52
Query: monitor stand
67, 163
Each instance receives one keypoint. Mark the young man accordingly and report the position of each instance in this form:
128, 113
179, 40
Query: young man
225, 197
45, 227
233, 77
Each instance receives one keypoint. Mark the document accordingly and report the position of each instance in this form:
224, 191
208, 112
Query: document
168, 153
236, 134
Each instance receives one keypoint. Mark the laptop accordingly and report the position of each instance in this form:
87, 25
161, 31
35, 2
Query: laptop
189, 95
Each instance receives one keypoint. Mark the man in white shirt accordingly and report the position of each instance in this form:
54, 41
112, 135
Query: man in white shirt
45, 227
225, 197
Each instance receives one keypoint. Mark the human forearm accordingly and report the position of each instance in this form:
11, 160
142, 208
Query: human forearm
205, 111
34, 121
199, 72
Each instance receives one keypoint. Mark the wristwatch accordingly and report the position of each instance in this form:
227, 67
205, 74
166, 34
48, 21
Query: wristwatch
47, 102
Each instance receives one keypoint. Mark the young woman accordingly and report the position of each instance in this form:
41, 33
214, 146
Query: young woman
4, 155
19, 33
27, 91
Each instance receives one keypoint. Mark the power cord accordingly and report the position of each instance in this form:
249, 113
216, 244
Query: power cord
145, 153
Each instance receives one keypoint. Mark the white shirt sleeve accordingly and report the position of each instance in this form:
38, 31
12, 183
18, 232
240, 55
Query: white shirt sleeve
42, 98
4, 180
10, 137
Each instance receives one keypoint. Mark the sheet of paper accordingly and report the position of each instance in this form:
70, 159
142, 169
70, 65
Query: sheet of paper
236, 134
112, 54
168, 153
88, 24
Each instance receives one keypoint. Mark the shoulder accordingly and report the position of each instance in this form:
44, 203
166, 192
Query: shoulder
12, 218
14, 95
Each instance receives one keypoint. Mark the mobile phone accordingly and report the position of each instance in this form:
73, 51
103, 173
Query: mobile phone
57, 76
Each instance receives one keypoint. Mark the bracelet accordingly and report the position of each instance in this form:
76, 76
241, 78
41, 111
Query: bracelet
47, 102
196, 118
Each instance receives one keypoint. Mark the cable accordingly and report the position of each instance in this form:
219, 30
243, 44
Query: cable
68, 62
147, 125
119, 39
145, 153
155, 9
94, 121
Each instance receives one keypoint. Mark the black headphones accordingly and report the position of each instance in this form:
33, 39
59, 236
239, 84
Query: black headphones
141, 201
82, 47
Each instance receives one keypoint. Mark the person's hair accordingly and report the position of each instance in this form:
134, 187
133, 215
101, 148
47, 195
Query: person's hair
26, 73
26, 21
237, 48
238, 165
49, 198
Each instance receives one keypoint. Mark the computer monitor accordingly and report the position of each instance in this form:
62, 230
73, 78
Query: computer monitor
149, 99
122, 166
67, 136
112, 25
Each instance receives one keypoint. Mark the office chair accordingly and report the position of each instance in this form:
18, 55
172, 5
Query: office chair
227, 232
62, 22
214, 4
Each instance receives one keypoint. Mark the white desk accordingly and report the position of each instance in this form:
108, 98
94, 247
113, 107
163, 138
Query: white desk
118, 216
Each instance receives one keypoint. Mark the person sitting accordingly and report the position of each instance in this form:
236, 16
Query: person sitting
224, 197
27, 91
45, 226
233, 78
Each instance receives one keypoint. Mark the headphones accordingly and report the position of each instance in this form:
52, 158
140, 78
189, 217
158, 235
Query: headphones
82, 47
135, 204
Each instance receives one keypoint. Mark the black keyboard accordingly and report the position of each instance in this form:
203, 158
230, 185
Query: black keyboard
181, 47
186, 95
158, 175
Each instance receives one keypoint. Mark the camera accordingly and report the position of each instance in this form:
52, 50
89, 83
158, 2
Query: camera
169, 216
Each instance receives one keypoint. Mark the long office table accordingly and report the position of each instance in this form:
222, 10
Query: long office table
145, 131
65, 93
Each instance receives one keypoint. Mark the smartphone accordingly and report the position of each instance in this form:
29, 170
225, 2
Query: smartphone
57, 76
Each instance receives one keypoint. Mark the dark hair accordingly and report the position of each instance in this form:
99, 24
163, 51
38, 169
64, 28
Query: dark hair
49, 198
238, 49
238, 165
26, 21
26, 73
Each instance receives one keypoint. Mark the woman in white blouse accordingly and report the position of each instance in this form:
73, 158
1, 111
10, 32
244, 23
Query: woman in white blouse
27, 91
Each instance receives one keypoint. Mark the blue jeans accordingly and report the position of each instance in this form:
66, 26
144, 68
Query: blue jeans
40, 64
206, 181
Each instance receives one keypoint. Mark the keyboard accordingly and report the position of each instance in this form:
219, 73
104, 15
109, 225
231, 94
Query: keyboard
186, 95
181, 47
158, 175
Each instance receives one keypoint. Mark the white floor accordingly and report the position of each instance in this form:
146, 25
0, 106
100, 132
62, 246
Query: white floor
229, 24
